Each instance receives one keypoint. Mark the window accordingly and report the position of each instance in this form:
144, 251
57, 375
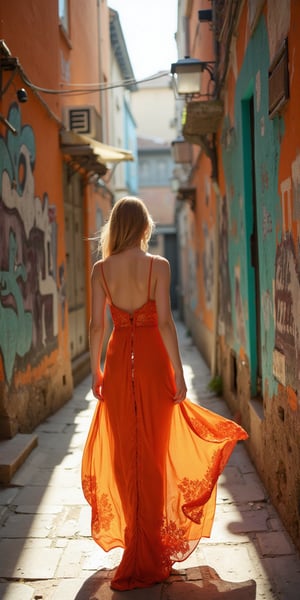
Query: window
155, 170
63, 14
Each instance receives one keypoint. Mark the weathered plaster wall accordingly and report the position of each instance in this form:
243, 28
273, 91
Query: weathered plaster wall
273, 423
252, 80
202, 259
33, 327
202, 255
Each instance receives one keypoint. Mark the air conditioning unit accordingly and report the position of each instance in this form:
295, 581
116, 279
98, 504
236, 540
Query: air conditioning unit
83, 120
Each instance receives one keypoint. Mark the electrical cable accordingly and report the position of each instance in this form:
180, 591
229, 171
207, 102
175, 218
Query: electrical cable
88, 88
10, 80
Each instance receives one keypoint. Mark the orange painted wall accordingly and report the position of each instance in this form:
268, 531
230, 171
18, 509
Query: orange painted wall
79, 63
31, 30
40, 201
289, 165
203, 220
37, 371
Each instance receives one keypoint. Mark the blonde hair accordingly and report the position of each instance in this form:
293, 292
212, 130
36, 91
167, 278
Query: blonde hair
129, 225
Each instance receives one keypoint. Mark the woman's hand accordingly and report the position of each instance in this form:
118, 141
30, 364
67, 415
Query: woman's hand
181, 388
97, 381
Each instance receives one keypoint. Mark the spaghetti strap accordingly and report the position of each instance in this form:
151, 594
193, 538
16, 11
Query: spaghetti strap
105, 284
149, 280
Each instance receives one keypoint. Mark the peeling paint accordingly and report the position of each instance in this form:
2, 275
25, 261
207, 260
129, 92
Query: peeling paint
258, 90
286, 204
237, 166
267, 222
292, 398
287, 296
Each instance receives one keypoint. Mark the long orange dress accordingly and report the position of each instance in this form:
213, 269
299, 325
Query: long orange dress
150, 467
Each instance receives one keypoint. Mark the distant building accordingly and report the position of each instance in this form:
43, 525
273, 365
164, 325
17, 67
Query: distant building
153, 108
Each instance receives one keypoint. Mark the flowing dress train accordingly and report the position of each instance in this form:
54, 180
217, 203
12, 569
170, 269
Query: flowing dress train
150, 467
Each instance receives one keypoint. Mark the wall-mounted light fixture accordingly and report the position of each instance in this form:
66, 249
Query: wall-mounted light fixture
181, 150
187, 76
197, 82
9, 63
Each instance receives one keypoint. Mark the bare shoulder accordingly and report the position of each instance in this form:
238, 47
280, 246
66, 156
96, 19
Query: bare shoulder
160, 263
161, 266
96, 270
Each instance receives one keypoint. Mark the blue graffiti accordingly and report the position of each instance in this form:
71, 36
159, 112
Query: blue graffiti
15, 322
29, 292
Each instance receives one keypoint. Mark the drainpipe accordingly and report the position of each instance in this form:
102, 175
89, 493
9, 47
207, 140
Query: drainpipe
102, 92
215, 307
214, 356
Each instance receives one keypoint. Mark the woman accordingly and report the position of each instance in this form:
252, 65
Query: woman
152, 458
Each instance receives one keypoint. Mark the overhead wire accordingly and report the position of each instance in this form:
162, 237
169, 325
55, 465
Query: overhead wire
85, 89
88, 88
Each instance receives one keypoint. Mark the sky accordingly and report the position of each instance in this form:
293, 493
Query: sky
148, 28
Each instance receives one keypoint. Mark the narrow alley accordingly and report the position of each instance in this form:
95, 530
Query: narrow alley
45, 545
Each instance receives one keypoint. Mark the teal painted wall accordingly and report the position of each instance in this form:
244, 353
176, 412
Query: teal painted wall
240, 334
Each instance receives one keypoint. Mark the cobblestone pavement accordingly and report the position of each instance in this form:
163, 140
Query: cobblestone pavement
46, 552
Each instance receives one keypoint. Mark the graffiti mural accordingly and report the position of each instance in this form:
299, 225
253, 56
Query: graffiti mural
287, 279
225, 317
13, 319
287, 294
28, 255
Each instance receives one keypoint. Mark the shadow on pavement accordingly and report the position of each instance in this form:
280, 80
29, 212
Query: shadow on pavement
200, 583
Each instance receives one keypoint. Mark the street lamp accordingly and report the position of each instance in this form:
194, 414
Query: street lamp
181, 150
187, 75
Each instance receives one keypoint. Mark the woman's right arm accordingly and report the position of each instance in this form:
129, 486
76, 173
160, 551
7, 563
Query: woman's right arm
167, 326
96, 329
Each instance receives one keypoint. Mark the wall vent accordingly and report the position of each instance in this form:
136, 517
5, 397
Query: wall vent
83, 120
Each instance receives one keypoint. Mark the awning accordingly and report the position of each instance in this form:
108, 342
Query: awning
75, 144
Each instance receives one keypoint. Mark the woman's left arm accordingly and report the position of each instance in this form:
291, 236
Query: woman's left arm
96, 329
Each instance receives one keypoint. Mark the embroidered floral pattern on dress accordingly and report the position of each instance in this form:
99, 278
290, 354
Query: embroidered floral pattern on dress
119, 317
102, 509
145, 316
192, 491
197, 492
89, 488
148, 316
174, 543
222, 431
105, 513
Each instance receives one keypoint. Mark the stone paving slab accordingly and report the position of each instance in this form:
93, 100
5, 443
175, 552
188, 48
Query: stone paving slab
15, 591
274, 543
14, 452
286, 572
47, 509
28, 563
21, 526
7, 495
39, 495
